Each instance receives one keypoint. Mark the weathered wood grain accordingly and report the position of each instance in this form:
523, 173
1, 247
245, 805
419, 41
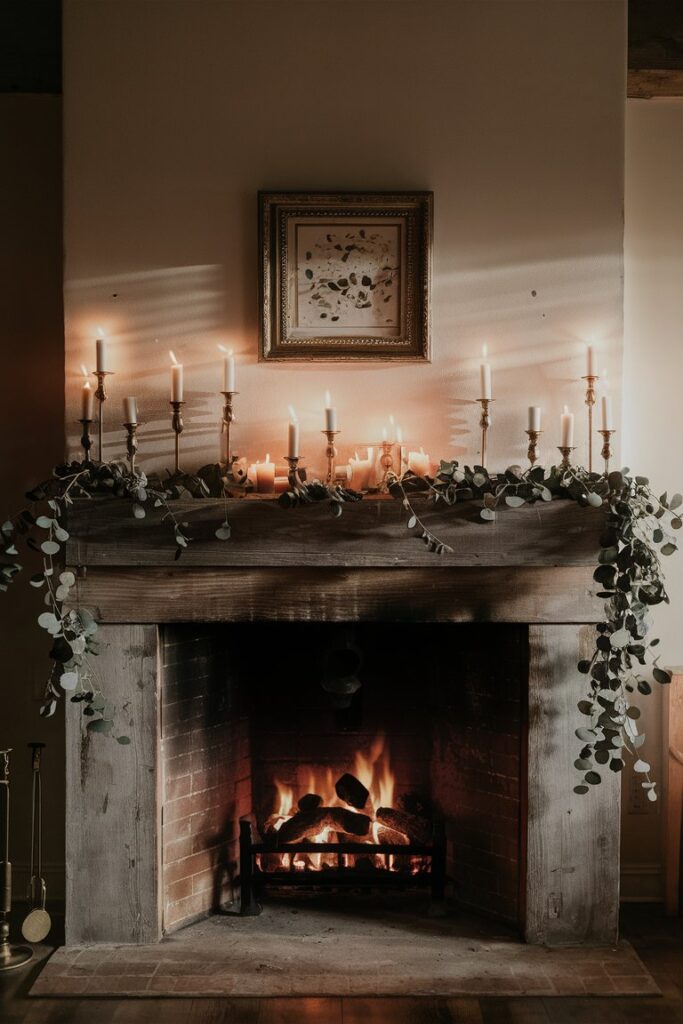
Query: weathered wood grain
369, 533
572, 841
447, 594
672, 810
112, 803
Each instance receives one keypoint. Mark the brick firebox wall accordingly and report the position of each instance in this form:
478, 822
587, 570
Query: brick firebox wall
206, 774
479, 701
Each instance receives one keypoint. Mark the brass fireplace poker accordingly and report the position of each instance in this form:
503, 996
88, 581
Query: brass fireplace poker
10, 956
37, 922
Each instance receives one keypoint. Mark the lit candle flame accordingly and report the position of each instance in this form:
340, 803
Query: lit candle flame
566, 409
228, 351
173, 358
292, 414
328, 400
100, 332
484, 351
84, 370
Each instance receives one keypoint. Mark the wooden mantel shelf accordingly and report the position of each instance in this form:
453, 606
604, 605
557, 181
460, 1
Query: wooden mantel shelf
370, 533
533, 565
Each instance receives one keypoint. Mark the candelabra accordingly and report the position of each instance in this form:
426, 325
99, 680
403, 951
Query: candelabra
101, 396
566, 452
606, 448
533, 436
86, 438
10, 956
484, 423
228, 416
331, 453
131, 444
177, 424
293, 476
386, 461
590, 380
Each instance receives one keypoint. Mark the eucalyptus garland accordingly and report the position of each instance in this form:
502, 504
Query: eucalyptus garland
636, 535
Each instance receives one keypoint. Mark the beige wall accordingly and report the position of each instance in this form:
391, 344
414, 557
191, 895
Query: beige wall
653, 376
31, 442
177, 113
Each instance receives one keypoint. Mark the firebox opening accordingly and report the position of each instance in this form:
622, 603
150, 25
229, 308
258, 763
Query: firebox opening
325, 740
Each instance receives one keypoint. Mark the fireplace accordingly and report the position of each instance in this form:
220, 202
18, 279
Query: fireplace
352, 737
223, 675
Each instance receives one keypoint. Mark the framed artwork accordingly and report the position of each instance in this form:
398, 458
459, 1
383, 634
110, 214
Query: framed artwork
345, 275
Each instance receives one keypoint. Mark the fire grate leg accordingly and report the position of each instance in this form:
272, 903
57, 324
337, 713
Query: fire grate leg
249, 905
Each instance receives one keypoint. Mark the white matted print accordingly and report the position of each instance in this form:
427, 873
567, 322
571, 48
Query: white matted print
347, 276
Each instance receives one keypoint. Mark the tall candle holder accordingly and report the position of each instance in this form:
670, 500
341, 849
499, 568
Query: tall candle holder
386, 461
10, 956
101, 396
227, 456
566, 456
606, 448
86, 438
531, 453
484, 423
331, 453
590, 380
132, 444
178, 425
293, 477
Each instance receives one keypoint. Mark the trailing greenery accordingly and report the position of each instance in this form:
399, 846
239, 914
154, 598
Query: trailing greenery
636, 536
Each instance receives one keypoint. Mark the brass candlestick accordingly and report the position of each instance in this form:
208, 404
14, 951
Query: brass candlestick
606, 447
131, 444
566, 454
86, 439
331, 453
227, 456
386, 461
101, 396
590, 380
177, 424
10, 956
293, 474
484, 423
533, 436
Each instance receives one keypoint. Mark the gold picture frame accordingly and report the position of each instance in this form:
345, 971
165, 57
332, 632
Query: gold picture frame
345, 276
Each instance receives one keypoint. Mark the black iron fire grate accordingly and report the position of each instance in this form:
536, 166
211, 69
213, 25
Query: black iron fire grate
254, 881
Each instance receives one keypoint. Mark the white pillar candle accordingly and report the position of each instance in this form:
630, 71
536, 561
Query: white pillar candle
534, 417
567, 428
86, 401
330, 413
176, 379
251, 473
265, 476
228, 369
485, 375
606, 408
419, 462
101, 355
590, 362
130, 410
293, 446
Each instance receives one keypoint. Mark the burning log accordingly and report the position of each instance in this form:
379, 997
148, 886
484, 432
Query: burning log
310, 802
391, 836
352, 791
417, 829
304, 825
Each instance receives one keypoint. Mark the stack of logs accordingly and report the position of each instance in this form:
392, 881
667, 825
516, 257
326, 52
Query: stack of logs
350, 826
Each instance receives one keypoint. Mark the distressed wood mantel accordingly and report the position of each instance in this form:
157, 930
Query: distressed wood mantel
532, 566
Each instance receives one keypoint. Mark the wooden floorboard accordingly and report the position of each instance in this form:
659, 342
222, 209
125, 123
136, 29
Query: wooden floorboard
658, 941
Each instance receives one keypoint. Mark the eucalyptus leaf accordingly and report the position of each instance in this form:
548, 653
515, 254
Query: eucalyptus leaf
49, 547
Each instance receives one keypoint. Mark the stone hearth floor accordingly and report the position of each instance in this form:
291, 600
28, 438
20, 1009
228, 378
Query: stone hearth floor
343, 946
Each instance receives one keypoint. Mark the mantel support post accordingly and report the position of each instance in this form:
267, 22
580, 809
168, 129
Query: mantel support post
572, 879
113, 809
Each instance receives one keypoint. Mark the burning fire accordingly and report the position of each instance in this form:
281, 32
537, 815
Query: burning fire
373, 770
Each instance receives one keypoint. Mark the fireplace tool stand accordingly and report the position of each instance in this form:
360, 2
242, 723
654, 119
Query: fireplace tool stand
10, 956
254, 881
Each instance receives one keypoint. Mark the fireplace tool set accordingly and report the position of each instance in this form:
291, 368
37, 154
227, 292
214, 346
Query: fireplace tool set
37, 922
